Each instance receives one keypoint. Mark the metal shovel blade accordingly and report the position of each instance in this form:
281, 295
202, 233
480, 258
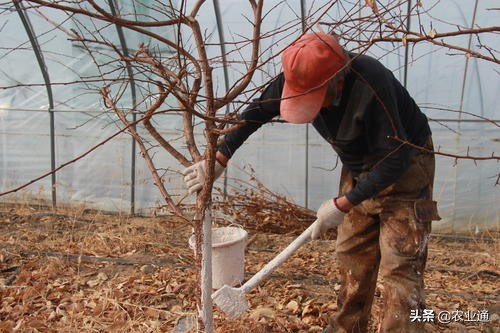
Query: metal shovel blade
231, 301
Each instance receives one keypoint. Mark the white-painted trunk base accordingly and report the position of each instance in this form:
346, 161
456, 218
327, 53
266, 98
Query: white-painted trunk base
207, 314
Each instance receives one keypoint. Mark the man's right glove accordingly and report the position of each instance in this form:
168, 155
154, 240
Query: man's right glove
328, 216
194, 176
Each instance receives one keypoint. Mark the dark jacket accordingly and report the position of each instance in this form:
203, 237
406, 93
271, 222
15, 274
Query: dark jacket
373, 107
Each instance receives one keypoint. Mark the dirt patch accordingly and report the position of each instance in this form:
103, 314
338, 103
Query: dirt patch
82, 271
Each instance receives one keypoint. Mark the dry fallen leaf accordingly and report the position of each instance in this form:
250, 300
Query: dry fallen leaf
147, 269
310, 309
152, 313
262, 312
293, 306
308, 319
332, 306
101, 277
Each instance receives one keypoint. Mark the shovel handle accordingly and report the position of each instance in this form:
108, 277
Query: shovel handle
261, 275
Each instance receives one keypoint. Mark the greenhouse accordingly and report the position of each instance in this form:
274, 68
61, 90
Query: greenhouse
104, 103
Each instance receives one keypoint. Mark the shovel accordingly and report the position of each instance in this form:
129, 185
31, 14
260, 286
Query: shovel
233, 302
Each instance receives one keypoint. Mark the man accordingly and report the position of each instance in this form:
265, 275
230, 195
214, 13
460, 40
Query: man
384, 207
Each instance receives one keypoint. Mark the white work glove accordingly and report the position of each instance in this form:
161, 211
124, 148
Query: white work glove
328, 216
194, 176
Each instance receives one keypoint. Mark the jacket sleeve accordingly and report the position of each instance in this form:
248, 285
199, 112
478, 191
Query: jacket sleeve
390, 158
259, 112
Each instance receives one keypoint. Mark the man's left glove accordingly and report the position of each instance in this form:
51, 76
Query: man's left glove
328, 216
194, 176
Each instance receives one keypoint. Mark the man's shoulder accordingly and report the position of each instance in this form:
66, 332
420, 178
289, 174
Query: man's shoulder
366, 63
371, 69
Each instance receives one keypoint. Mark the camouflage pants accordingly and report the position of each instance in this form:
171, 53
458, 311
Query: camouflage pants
386, 235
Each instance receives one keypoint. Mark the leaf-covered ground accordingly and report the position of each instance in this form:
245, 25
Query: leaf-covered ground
84, 271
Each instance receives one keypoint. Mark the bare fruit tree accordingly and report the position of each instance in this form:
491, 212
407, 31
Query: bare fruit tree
184, 77
183, 83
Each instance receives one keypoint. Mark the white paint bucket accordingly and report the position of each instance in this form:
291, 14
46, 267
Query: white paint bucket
228, 255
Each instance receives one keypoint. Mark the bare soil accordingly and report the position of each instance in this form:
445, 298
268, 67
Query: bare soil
84, 271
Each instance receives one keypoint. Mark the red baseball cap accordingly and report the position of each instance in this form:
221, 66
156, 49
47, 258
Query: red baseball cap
308, 65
